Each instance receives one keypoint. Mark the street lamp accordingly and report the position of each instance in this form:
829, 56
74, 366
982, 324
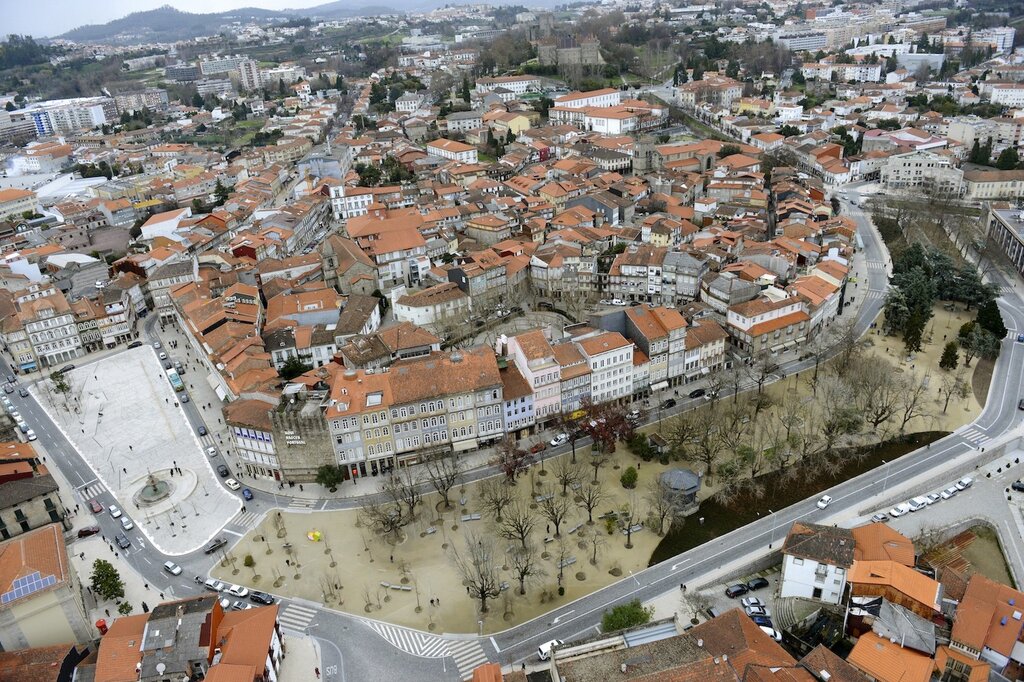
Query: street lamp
885, 483
772, 540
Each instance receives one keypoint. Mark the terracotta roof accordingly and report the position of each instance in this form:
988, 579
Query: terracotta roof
821, 659
879, 542
514, 386
603, 343
886, 661
249, 412
406, 335
985, 616
917, 586
38, 664
535, 345
778, 323
39, 551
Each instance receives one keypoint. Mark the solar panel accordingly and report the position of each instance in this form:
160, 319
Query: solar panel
26, 585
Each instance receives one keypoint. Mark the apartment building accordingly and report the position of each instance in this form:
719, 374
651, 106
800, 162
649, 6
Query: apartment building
452, 150
919, 170
518, 85
14, 202
610, 358
449, 401
815, 562
533, 355
767, 325
50, 325
29, 497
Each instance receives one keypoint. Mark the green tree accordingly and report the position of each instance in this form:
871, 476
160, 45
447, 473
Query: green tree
977, 342
950, 356
124, 608
1008, 159
465, 89
991, 319
10, 106
728, 150
897, 312
221, 192
914, 332
292, 368
197, 101
330, 476
106, 581
626, 615
628, 478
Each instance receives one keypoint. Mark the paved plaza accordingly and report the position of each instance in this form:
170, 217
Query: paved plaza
122, 415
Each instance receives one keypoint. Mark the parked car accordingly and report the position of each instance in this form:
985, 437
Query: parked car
544, 650
763, 621
538, 447
559, 440
754, 602
114, 511
949, 492
223, 471
202, 431
771, 632
163, 356
238, 591
87, 531
932, 498
964, 483
757, 611
126, 523
698, 393
261, 598
666, 404
247, 494
233, 484
122, 541
62, 370
756, 584
825, 501
23, 392
211, 451
135, 344
879, 517
172, 568
1018, 485
633, 414
899, 510
214, 585
30, 434
156, 344
214, 545
95, 506
618, 302
917, 503
737, 590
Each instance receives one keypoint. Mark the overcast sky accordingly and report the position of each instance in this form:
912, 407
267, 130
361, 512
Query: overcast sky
59, 16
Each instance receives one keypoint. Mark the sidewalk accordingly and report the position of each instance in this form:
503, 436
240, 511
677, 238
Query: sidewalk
302, 659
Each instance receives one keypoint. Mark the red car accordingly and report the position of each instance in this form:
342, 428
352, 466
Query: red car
87, 531
539, 447
96, 507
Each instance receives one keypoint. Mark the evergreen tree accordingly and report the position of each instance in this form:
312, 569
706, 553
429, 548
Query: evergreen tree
950, 356
465, 89
1008, 159
106, 581
991, 319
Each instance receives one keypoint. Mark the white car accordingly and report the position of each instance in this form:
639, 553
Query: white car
233, 484
932, 498
30, 434
238, 591
544, 650
825, 501
560, 439
163, 356
156, 344
172, 568
772, 632
964, 483
896, 512
752, 601
618, 302
948, 492
114, 511
211, 451
605, 301
126, 523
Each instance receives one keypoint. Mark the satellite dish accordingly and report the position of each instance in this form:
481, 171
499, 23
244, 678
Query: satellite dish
160, 668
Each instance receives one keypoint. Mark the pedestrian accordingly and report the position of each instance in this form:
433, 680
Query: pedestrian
437, 601
146, 585
317, 671
549, 528
81, 555
300, 487
524, 666
392, 558
431, 602
287, 562
107, 612
129, 447
161, 595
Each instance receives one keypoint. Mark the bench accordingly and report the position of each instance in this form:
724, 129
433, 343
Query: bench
385, 585
462, 502
544, 498
608, 515
576, 486
567, 562
467, 517
634, 529
548, 539
431, 530
504, 586
575, 528
474, 517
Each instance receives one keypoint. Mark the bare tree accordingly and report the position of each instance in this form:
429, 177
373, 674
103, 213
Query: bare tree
518, 523
495, 495
443, 470
912, 402
567, 473
512, 459
706, 443
404, 487
591, 496
386, 517
629, 516
598, 458
663, 504
562, 556
570, 427
838, 413
477, 566
596, 543
953, 386
555, 509
525, 564
877, 389
761, 368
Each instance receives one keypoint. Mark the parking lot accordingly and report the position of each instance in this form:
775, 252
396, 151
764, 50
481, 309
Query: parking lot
122, 415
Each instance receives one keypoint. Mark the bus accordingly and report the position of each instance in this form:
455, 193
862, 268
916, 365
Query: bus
175, 380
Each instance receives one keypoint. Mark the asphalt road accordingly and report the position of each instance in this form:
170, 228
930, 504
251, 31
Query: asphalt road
353, 650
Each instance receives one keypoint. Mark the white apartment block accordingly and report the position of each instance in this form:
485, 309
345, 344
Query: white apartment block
1008, 94
815, 563
452, 150
610, 358
915, 170
534, 356
607, 97
519, 85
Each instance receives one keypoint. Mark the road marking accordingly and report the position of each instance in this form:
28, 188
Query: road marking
468, 655
411, 641
295, 617
675, 566
235, 533
495, 645
562, 616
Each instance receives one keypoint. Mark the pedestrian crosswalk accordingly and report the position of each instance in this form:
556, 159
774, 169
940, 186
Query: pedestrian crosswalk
245, 519
91, 490
410, 641
876, 265
300, 503
974, 436
295, 617
467, 653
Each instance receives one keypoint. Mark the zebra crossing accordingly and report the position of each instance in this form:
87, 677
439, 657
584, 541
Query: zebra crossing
300, 503
467, 653
876, 265
91, 489
974, 436
296, 617
245, 519
874, 293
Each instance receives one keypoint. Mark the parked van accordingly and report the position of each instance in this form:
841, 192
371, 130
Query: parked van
918, 503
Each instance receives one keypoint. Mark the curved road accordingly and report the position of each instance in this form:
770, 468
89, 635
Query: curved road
356, 649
